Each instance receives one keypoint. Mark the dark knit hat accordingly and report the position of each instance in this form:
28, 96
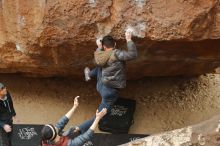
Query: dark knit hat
48, 132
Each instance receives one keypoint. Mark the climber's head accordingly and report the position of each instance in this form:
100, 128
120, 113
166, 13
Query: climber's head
108, 42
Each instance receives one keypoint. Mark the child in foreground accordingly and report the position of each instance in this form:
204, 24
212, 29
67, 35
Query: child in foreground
53, 135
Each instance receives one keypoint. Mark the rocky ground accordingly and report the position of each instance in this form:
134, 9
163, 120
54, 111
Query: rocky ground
164, 103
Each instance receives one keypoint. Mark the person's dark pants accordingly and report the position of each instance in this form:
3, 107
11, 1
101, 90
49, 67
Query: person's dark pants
109, 96
5, 138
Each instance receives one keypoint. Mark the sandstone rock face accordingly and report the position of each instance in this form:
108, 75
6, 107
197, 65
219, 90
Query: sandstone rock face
57, 37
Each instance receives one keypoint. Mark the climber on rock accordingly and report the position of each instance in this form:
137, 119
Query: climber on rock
110, 71
53, 135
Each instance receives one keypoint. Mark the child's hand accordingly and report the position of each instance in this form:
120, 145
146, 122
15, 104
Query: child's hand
76, 102
101, 114
7, 128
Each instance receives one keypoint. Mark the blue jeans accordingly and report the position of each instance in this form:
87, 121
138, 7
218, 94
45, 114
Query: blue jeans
109, 96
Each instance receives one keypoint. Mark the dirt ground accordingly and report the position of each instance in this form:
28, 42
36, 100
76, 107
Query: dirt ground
163, 103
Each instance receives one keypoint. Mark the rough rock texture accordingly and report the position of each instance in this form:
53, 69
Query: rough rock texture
57, 37
204, 134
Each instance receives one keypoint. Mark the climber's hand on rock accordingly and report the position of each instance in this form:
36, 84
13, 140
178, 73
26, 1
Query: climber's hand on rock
128, 35
99, 43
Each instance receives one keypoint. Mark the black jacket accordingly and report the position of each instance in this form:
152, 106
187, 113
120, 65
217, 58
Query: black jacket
114, 72
6, 111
